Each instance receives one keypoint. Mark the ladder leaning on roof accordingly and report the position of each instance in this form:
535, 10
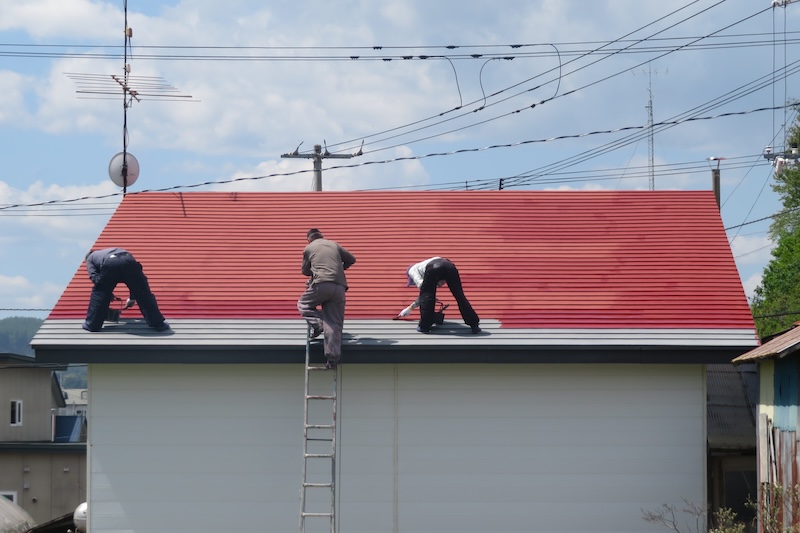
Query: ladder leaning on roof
319, 442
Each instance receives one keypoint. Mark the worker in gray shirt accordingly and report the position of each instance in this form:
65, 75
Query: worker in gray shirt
107, 268
325, 261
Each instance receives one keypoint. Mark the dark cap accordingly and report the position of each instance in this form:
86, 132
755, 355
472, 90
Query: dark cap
312, 231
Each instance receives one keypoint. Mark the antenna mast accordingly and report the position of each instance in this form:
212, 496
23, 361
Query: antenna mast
127, 99
650, 140
123, 169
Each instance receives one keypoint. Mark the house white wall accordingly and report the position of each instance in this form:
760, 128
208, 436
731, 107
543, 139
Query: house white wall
423, 448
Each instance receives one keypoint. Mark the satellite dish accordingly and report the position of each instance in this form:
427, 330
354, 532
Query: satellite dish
115, 169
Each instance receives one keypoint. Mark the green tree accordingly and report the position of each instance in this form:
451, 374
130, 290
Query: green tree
776, 302
16, 333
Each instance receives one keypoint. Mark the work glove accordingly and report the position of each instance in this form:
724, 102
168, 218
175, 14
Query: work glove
130, 303
405, 312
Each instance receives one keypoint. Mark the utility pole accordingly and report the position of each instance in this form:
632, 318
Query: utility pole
318, 156
780, 159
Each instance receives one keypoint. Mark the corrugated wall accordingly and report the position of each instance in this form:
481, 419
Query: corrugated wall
779, 462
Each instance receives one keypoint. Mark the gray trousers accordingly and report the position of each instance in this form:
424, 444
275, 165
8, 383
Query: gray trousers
331, 297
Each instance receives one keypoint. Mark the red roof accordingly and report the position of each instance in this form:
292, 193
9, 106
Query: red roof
529, 259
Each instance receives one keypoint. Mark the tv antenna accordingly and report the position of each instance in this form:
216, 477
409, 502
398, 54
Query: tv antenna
123, 169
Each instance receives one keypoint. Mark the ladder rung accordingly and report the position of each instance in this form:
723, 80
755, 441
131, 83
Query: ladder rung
317, 433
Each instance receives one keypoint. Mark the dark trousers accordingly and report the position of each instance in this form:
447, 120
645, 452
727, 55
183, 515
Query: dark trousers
436, 271
122, 269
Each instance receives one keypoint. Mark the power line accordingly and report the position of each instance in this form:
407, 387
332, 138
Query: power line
471, 51
540, 102
728, 97
762, 219
398, 159
509, 51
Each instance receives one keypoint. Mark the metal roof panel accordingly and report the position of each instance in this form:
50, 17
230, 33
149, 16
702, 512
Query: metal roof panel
528, 259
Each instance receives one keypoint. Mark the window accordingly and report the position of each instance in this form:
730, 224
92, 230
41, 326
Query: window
16, 412
9, 495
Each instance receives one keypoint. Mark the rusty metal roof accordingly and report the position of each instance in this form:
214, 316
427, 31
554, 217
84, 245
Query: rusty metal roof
543, 261
779, 346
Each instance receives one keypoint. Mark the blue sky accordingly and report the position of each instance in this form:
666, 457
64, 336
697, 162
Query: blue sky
545, 94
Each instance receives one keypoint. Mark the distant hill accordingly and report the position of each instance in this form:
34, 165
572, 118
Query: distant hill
16, 333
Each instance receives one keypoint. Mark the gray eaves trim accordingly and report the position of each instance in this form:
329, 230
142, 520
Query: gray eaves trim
49, 447
380, 341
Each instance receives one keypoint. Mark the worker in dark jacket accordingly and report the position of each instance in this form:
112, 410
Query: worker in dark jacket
428, 275
107, 268
325, 261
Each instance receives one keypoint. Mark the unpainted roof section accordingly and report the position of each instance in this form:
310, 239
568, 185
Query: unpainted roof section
779, 346
527, 259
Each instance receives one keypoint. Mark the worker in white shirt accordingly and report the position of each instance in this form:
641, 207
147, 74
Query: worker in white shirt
427, 276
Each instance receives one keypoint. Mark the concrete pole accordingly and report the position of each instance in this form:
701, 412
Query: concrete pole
318, 156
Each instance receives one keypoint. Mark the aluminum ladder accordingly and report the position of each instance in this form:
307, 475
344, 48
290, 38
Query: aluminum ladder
319, 442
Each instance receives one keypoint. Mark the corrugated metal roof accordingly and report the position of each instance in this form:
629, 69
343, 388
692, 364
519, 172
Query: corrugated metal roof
779, 346
529, 260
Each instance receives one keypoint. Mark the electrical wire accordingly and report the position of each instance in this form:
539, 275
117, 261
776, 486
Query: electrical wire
730, 96
397, 159
506, 89
569, 48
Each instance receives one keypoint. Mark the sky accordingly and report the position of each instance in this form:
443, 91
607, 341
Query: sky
432, 94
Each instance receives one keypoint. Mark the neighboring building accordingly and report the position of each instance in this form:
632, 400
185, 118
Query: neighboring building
77, 402
777, 449
44, 477
582, 404
732, 403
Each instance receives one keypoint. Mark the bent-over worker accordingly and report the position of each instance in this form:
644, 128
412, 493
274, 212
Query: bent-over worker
107, 268
427, 276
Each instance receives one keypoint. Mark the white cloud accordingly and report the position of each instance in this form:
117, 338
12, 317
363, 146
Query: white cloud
752, 249
750, 285
20, 293
83, 19
13, 87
